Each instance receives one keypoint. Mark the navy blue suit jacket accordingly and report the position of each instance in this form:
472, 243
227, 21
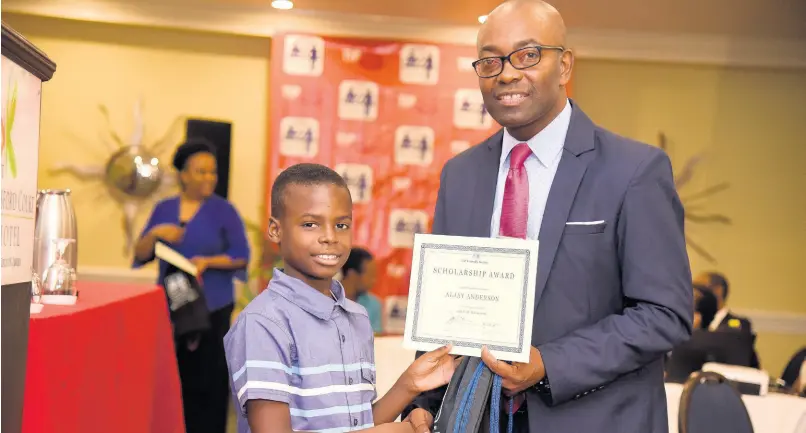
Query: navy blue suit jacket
611, 298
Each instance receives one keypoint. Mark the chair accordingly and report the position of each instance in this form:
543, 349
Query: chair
710, 404
792, 370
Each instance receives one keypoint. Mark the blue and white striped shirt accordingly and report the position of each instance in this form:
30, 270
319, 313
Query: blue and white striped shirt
292, 344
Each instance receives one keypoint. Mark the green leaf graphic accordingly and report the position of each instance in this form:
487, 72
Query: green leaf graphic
11, 111
12, 159
12, 108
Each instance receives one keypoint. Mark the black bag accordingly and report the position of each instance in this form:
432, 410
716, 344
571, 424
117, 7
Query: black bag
472, 401
189, 313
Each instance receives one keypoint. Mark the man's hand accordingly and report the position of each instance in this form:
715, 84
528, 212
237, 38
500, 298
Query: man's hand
421, 420
516, 376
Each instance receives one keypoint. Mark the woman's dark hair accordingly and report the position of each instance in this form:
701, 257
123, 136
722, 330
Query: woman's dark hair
706, 306
189, 148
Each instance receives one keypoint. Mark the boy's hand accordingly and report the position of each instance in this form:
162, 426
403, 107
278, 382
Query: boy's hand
431, 370
421, 420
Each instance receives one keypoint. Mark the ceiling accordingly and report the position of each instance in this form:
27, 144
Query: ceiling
718, 32
741, 18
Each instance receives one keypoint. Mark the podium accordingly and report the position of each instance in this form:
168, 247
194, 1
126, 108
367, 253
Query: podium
24, 69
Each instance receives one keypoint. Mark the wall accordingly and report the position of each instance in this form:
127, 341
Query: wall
749, 125
747, 121
176, 73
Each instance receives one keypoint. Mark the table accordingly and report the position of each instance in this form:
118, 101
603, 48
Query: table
106, 364
773, 413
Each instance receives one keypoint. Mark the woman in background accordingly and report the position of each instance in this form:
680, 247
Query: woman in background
207, 230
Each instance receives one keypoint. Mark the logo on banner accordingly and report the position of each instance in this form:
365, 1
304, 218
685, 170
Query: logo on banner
403, 224
359, 180
395, 311
303, 55
350, 54
419, 64
414, 145
469, 111
299, 136
358, 100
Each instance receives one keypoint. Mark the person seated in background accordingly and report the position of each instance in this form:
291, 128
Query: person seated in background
705, 345
799, 387
717, 284
705, 307
358, 278
794, 374
301, 355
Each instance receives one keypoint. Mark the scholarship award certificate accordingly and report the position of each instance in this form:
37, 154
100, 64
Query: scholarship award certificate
472, 292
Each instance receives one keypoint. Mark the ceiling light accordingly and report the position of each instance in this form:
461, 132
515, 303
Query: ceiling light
482, 18
282, 4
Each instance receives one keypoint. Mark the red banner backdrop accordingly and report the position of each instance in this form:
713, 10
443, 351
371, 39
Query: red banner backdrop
386, 115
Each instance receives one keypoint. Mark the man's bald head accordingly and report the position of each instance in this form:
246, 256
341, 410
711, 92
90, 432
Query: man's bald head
524, 99
546, 19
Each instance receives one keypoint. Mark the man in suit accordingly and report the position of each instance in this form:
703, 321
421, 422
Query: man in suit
717, 284
613, 290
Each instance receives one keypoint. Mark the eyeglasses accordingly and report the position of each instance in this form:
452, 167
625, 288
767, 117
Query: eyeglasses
523, 58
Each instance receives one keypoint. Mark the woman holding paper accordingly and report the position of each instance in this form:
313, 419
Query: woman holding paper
206, 230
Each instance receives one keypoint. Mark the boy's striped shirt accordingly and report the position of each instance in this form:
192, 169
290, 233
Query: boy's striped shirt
292, 344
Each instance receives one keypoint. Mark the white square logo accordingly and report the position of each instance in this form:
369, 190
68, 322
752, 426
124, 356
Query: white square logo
299, 136
419, 64
359, 180
403, 224
414, 145
394, 311
469, 111
303, 55
358, 100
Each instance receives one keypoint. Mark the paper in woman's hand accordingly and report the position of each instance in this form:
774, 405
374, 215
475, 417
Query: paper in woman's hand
169, 255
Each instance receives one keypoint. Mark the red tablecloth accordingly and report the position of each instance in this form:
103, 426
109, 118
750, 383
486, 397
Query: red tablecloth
106, 364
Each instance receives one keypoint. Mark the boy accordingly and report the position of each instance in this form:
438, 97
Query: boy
301, 355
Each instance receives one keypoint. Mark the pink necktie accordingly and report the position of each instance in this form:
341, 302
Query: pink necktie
515, 216
515, 206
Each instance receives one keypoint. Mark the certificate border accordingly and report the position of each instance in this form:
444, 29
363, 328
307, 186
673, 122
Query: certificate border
463, 248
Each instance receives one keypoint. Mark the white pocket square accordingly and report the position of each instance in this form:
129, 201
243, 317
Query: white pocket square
584, 223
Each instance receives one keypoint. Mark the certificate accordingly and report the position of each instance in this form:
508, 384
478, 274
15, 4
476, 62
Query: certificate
472, 292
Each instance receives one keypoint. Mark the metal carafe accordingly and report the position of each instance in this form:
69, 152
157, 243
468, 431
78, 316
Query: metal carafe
55, 219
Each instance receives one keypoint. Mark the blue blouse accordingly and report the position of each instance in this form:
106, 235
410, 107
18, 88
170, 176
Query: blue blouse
216, 229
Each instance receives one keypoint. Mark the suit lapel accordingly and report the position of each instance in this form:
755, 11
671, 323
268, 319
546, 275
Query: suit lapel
486, 181
573, 164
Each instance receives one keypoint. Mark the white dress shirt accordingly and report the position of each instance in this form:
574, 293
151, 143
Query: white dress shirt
541, 166
718, 318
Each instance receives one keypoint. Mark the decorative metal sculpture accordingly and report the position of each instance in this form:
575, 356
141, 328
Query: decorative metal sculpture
691, 201
132, 174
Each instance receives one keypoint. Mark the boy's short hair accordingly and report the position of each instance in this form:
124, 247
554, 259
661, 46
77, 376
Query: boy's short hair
302, 174
355, 261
